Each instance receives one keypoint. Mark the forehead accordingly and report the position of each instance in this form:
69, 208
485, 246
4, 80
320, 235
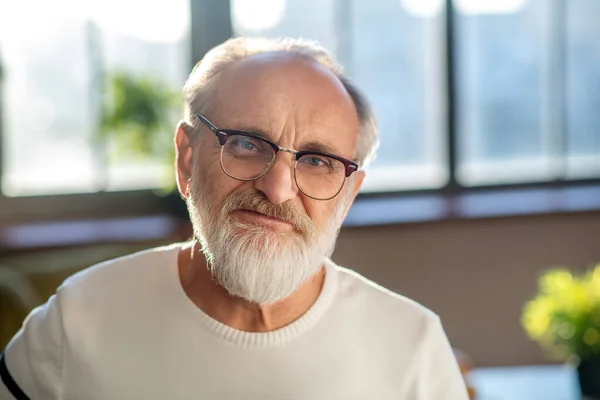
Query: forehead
282, 93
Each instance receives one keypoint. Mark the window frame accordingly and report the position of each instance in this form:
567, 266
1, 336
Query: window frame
211, 25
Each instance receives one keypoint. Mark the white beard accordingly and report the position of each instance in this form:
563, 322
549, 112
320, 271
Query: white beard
253, 262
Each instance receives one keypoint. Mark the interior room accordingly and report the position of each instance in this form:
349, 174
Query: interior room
486, 180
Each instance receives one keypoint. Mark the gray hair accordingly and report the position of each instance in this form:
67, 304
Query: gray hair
199, 88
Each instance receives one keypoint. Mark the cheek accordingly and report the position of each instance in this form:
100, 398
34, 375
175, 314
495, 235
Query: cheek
321, 213
208, 159
211, 177
220, 185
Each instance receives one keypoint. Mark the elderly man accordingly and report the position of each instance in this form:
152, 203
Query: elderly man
269, 159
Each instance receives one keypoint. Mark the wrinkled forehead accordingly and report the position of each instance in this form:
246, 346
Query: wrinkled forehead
278, 89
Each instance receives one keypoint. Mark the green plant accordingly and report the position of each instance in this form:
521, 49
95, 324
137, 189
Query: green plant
564, 317
139, 114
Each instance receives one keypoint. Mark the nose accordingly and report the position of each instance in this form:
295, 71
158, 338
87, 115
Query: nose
278, 183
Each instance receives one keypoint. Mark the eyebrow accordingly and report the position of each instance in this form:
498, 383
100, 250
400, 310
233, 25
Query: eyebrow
320, 147
310, 146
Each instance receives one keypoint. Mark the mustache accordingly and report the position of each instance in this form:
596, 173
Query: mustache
258, 202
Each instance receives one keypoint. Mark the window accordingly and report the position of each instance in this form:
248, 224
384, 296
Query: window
502, 63
582, 88
54, 61
524, 73
528, 87
394, 51
468, 93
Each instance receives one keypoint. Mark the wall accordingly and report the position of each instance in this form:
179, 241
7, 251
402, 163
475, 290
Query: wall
476, 274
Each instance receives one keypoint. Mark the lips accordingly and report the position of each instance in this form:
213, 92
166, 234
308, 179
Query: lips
266, 215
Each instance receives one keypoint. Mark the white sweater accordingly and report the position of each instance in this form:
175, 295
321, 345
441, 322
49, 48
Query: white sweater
125, 329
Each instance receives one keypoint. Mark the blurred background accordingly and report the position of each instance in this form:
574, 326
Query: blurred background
488, 172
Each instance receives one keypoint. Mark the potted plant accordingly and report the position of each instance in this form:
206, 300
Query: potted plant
564, 318
138, 117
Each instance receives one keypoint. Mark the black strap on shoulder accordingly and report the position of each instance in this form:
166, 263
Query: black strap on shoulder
9, 382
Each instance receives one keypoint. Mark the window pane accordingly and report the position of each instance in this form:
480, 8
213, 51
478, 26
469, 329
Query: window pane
54, 61
393, 50
583, 88
501, 71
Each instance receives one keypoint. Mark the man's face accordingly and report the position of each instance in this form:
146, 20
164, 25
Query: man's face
264, 238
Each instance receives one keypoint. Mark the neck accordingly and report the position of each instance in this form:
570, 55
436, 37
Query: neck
236, 312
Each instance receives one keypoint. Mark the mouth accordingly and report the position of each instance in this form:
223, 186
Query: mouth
255, 217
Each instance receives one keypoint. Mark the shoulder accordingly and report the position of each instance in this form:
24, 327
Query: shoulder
116, 287
366, 294
96, 297
407, 337
397, 321
122, 270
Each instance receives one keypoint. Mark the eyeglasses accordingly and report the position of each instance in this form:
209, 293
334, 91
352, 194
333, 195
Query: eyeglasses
247, 157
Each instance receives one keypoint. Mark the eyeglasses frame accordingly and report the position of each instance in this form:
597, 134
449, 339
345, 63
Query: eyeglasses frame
223, 134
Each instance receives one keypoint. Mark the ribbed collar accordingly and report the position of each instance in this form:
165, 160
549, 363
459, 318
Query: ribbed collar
244, 339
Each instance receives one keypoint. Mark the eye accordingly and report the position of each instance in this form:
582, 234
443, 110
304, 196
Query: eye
315, 161
243, 144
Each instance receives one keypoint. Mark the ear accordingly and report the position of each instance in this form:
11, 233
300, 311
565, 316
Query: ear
354, 184
183, 158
